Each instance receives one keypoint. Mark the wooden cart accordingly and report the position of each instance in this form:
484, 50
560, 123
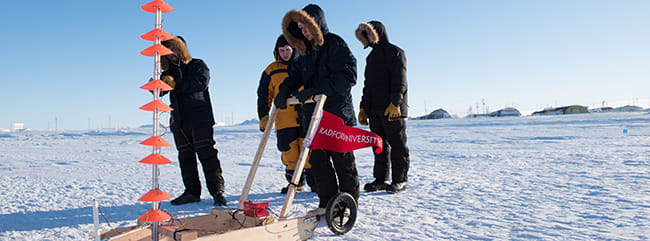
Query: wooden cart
224, 224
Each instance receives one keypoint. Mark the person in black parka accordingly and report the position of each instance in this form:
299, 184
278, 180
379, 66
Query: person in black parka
191, 122
326, 66
384, 105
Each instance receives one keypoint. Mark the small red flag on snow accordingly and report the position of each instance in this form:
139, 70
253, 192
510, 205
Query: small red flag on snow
333, 135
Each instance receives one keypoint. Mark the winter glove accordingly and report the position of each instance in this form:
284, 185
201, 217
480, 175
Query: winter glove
393, 112
263, 122
363, 119
280, 101
305, 94
162, 93
169, 80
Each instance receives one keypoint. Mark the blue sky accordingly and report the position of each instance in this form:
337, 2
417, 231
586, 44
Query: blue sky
78, 62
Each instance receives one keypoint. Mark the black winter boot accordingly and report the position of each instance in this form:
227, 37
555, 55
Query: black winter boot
375, 186
285, 190
396, 187
219, 199
186, 198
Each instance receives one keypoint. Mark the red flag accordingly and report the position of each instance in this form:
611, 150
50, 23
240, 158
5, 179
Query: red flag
333, 135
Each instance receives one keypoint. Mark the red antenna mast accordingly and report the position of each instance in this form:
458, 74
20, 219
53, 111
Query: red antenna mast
155, 215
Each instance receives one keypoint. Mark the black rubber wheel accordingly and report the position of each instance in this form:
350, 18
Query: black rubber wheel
341, 213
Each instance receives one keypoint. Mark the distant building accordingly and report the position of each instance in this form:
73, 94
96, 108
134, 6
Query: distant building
601, 109
508, 111
18, 127
436, 114
477, 115
628, 108
572, 109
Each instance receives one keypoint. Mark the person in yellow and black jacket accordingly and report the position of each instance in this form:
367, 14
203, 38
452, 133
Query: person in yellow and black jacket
289, 133
384, 106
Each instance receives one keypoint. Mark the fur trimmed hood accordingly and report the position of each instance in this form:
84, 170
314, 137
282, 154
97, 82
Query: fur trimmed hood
362, 35
377, 34
178, 43
313, 18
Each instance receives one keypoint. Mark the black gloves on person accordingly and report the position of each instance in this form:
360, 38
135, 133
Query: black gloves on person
280, 101
303, 95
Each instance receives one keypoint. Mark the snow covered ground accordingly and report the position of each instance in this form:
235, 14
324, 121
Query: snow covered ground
571, 177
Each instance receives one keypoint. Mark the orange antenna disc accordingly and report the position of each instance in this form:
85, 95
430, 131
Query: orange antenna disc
156, 104
151, 51
155, 216
155, 159
158, 32
152, 6
155, 195
156, 84
155, 141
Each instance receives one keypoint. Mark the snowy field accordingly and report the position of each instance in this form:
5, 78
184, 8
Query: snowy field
573, 177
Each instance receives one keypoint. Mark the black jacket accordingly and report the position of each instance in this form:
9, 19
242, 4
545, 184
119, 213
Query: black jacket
385, 76
190, 98
326, 64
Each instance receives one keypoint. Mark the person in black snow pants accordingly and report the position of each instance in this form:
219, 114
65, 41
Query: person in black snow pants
191, 122
384, 106
325, 66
